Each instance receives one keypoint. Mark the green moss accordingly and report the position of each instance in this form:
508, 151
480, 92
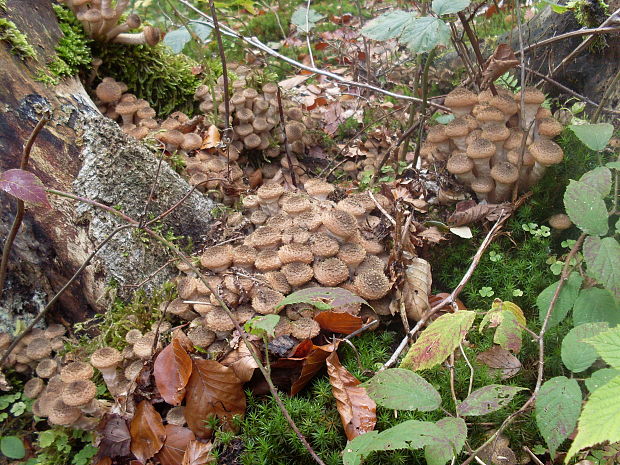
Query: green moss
18, 41
73, 48
155, 74
591, 14
266, 26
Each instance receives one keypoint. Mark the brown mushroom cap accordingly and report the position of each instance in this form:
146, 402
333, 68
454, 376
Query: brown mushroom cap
33, 388
176, 416
513, 157
217, 257
280, 222
78, 393
62, 414
372, 285
252, 141
458, 127
294, 131
318, 188
105, 357
504, 173
495, 132
546, 152
133, 335
331, 272
481, 148
54, 330
352, 206
460, 163
243, 255
340, 223
437, 134
294, 252
305, 328
549, 127
46, 368
218, 320
323, 245
277, 281
483, 185
108, 92
75, 371
191, 141
296, 204
505, 103
265, 301
309, 220
143, 347
39, 348
265, 236
487, 115
297, 273
371, 263
560, 221
460, 97
267, 260
352, 254
532, 96
269, 192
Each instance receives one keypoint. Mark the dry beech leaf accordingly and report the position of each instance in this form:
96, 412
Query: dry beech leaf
185, 341
502, 60
213, 390
147, 432
241, 361
198, 453
339, 322
471, 214
417, 286
172, 370
175, 445
301, 367
357, 410
500, 359
114, 436
212, 139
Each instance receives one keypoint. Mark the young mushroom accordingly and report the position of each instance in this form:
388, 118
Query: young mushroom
461, 166
546, 153
504, 174
106, 360
149, 36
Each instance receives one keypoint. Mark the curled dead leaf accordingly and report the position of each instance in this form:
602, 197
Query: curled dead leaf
339, 322
500, 359
172, 370
147, 432
416, 288
212, 139
241, 361
175, 445
295, 372
114, 436
502, 60
198, 453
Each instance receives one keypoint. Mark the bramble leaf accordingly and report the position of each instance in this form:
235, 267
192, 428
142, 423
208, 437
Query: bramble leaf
601, 377
578, 355
603, 259
441, 450
323, 298
593, 136
425, 34
389, 25
586, 208
564, 303
598, 178
401, 389
607, 345
445, 7
487, 399
594, 305
299, 18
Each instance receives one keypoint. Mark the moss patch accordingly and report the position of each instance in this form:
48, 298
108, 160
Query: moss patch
18, 41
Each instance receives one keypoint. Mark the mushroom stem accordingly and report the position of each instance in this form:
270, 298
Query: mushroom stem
537, 173
482, 167
502, 192
130, 39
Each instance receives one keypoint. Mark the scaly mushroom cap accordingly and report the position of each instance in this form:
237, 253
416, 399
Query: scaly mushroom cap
143, 348
265, 301
504, 173
176, 415
297, 273
250, 202
546, 152
294, 252
267, 260
39, 348
496, 132
305, 328
5, 340
352, 206
549, 127
133, 370
55, 385
46, 368
488, 114
505, 103
483, 185
309, 220
318, 188
280, 222
372, 285
244, 130
481, 148
296, 204
75, 371
78, 393
244, 255
108, 92
260, 124
277, 281
514, 139
458, 127
283, 328
513, 157
33, 388
217, 257
133, 335
340, 223
560, 221
294, 131
269, 192
252, 141
460, 163
270, 88
460, 98
265, 236
371, 263
218, 320
244, 115
258, 217
191, 141
60, 413
171, 137
105, 357
323, 245
54, 330
244, 314
437, 134
331, 272
295, 234
532, 96
352, 254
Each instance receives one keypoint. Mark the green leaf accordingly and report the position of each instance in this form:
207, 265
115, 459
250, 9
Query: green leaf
593, 136
487, 399
444, 119
556, 7
603, 260
446, 7
600, 418
595, 305
46, 438
586, 208
509, 320
598, 178
614, 165
400, 389
565, 300
12, 447
441, 450
323, 298
557, 408
601, 377
261, 325
578, 355
389, 25
438, 340
299, 18
607, 345
178, 39
425, 34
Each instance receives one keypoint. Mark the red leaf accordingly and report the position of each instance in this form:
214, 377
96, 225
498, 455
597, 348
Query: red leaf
173, 450
338, 322
172, 370
357, 410
198, 453
147, 432
305, 363
25, 186
213, 390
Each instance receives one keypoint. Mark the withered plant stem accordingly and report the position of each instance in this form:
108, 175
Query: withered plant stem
475, 44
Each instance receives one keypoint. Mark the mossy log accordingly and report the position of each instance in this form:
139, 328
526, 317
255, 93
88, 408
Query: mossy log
78, 151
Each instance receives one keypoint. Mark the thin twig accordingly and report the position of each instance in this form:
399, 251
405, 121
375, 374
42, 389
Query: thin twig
532, 455
381, 209
577, 33
152, 191
471, 369
19, 213
308, 34
361, 330
475, 44
610, 88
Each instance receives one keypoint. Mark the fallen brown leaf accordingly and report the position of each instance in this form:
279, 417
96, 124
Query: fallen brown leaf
172, 370
175, 445
417, 287
339, 322
212, 139
198, 453
357, 410
295, 372
213, 390
500, 359
114, 437
241, 361
147, 432
502, 60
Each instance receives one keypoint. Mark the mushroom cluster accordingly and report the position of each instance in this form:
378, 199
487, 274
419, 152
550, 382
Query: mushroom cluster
37, 346
298, 240
482, 145
100, 21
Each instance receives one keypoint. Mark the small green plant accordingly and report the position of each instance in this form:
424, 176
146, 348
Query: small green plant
495, 256
18, 41
63, 446
536, 231
486, 291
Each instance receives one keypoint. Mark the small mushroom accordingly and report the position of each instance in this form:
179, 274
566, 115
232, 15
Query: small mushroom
504, 174
461, 166
560, 221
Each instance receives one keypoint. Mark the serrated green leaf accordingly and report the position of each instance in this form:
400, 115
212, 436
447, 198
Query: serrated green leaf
593, 136
607, 345
603, 259
441, 450
600, 418
305, 24
564, 303
598, 178
557, 408
425, 34
438, 340
595, 304
12, 447
446, 7
389, 25
509, 320
323, 298
401, 389
263, 324
487, 399
601, 377
578, 355
586, 208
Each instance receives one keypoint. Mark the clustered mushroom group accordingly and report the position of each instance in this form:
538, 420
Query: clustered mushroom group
100, 21
298, 240
484, 145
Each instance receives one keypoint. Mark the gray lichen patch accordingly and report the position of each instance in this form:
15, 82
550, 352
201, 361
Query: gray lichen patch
118, 171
